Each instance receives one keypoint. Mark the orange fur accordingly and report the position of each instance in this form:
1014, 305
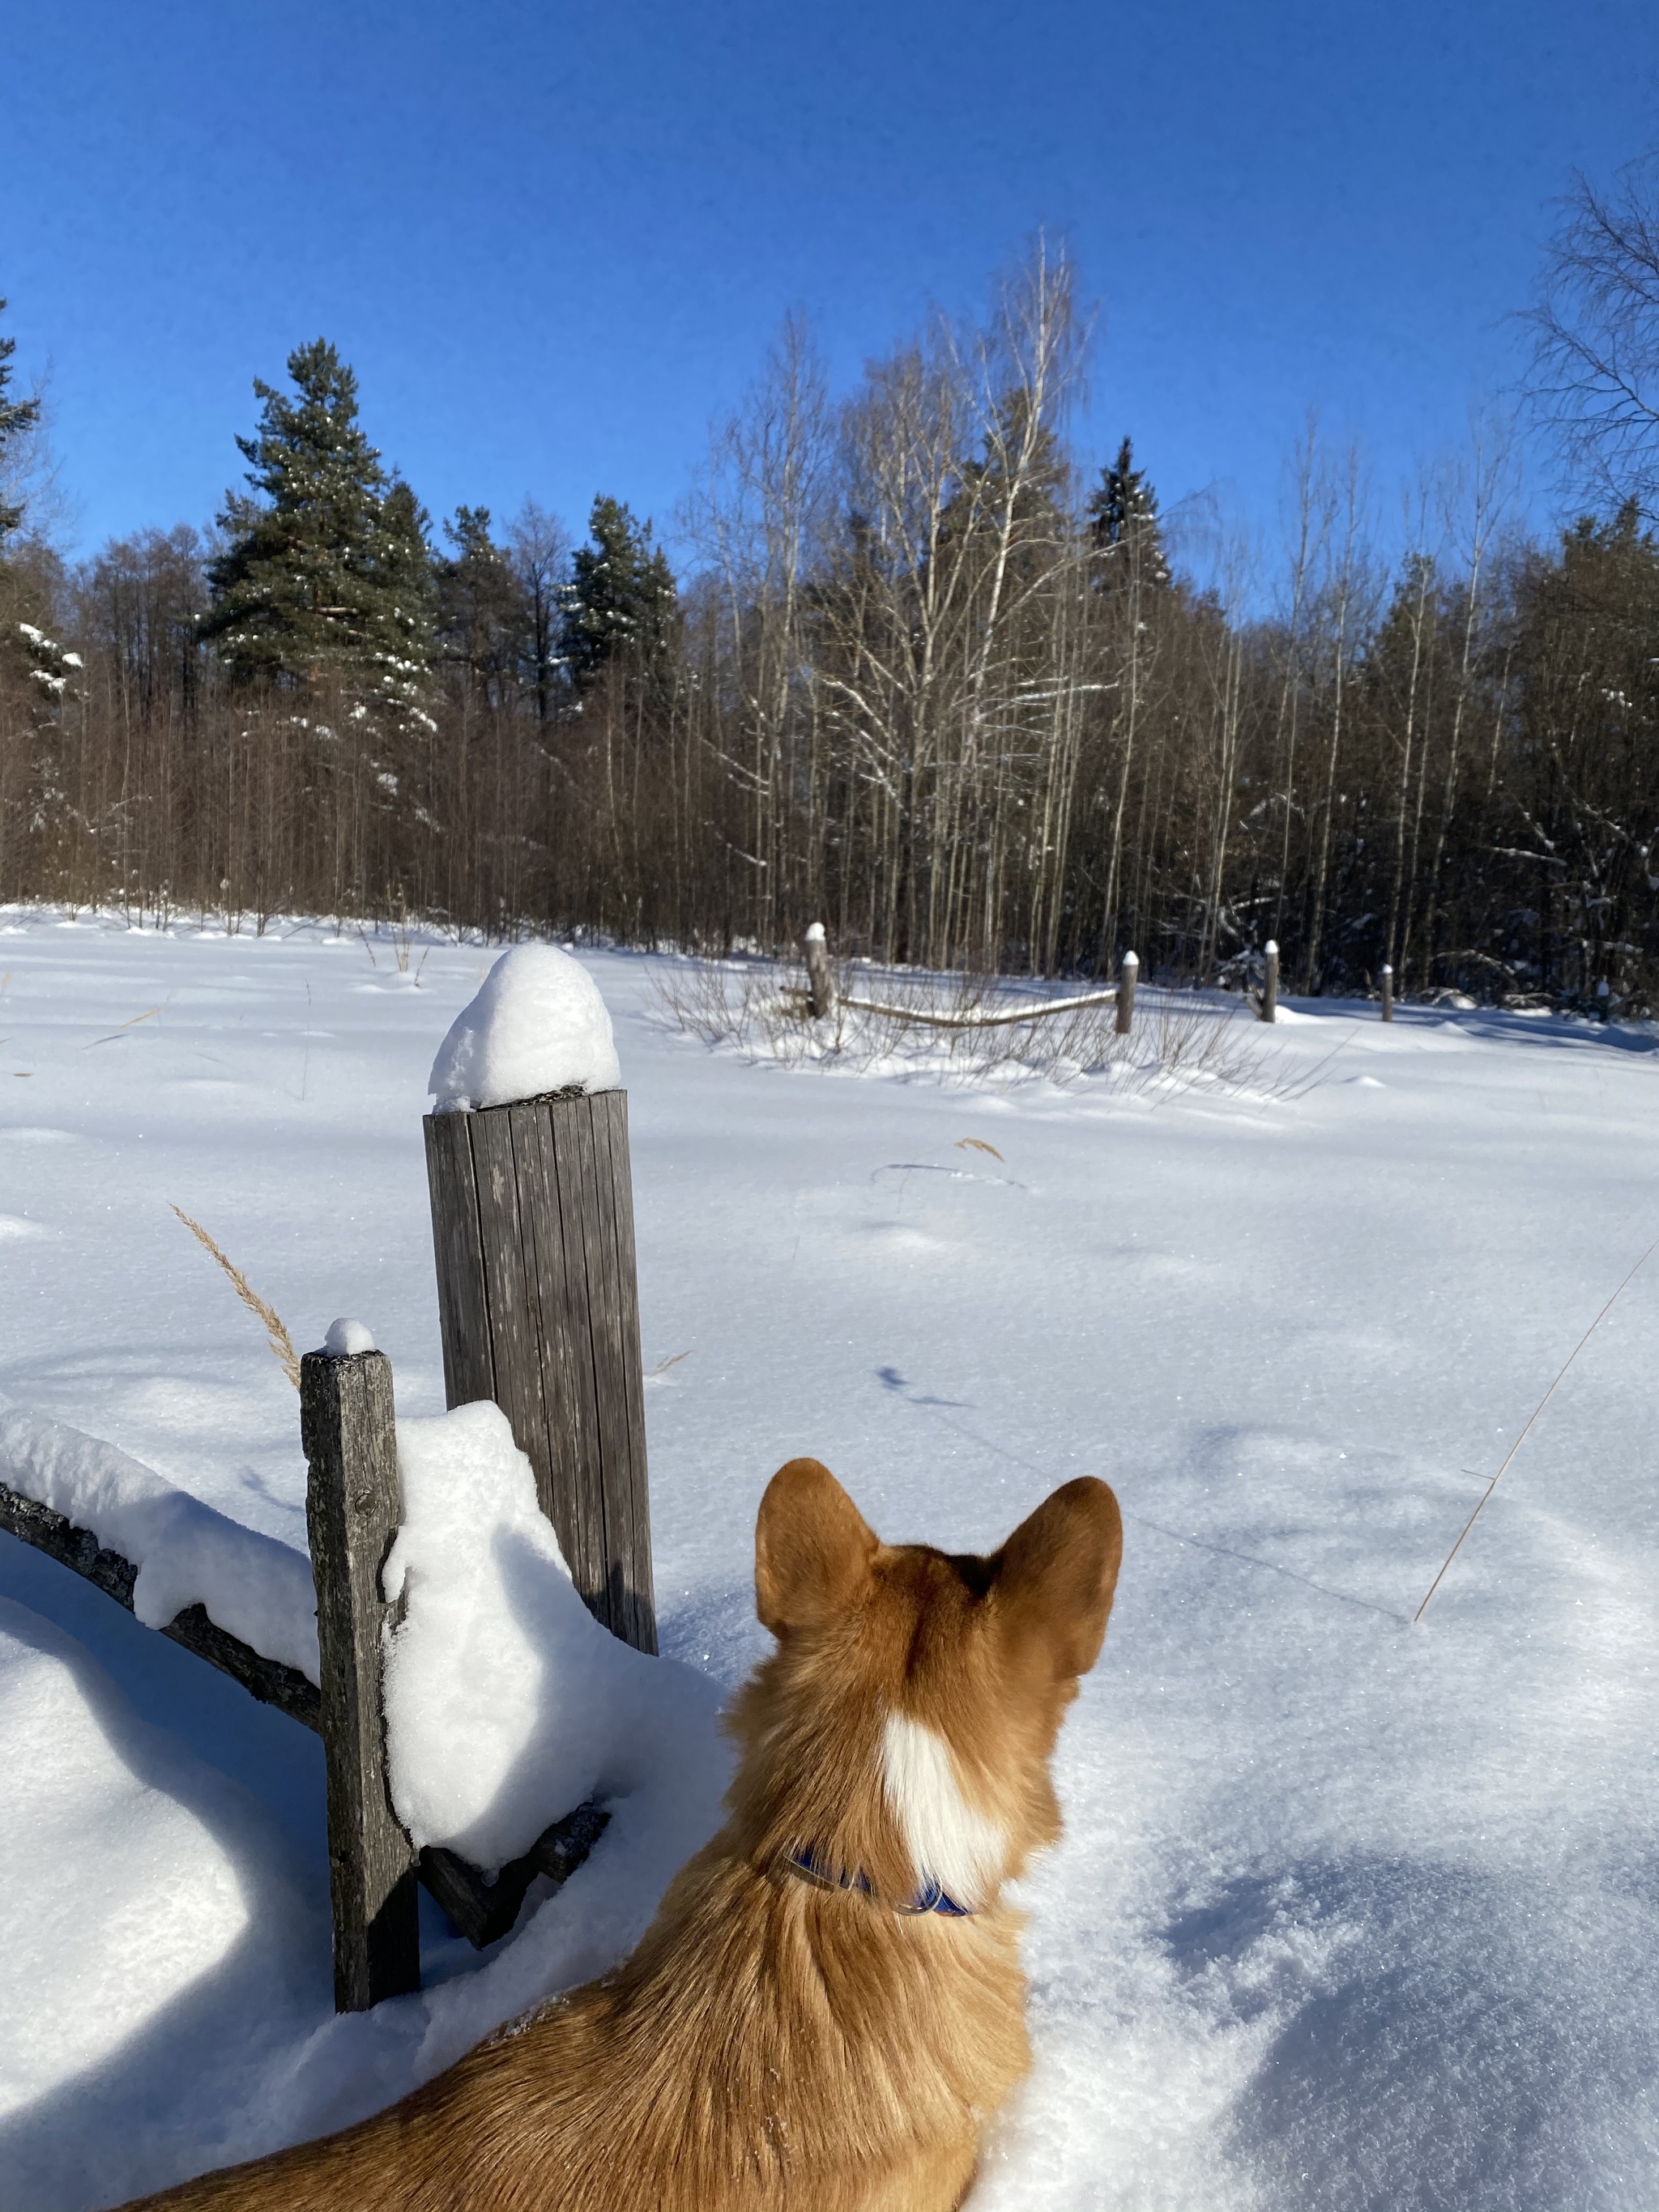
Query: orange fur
773, 2046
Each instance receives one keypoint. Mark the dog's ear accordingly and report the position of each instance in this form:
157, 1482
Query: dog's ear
812, 1550
1055, 1577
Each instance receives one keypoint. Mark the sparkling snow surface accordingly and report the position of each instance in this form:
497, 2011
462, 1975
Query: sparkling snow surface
1347, 1914
539, 1024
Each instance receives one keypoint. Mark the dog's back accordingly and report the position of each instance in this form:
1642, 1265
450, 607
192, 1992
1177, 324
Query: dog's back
828, 2003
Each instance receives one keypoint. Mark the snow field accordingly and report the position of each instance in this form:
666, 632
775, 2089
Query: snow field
1346, 1914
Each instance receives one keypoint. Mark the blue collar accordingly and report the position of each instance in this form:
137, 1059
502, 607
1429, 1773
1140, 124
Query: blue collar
807, 1863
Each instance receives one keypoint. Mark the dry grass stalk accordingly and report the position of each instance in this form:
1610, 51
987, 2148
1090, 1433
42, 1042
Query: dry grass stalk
1527, 1431
277, 1336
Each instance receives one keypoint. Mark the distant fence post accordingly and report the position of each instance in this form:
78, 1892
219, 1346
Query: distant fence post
1270, 983
532, 1227
1387, 992
353, 1508
1126, 975
820, 982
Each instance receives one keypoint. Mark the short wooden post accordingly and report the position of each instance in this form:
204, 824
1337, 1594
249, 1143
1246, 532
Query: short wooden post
532, 1226
353, 1507
820, 982
1126, 977
1387, 992
1270, 983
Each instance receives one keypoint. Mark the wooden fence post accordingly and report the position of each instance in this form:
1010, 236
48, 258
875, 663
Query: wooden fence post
1126, 977
1270, 983
820, 982
532, 1226
353, 1507
1387, 992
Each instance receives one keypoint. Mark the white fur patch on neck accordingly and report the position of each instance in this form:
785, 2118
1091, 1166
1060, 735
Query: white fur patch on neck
949, 1842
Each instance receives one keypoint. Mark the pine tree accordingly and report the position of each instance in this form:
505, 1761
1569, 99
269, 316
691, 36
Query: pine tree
329, 569
15, 416
620, 602
1124, 525
484, 625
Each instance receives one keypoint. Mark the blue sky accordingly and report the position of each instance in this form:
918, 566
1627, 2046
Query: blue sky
555, 242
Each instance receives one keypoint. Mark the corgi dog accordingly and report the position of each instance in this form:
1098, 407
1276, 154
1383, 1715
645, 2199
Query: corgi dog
828, 2005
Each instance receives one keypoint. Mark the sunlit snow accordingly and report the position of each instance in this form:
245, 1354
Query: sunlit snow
1347, 1915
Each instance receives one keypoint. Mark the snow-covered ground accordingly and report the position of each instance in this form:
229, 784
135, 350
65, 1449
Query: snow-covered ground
1348, 1913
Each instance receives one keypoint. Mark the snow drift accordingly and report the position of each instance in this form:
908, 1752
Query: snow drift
507, 1705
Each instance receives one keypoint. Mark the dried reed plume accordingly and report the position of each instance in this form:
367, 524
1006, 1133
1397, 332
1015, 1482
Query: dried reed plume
277, 1336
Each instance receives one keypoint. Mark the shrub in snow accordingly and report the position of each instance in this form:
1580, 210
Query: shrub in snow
539, 1025
506, 1705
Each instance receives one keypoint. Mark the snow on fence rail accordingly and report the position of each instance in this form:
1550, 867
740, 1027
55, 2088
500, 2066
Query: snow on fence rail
65, 1493
538, 1295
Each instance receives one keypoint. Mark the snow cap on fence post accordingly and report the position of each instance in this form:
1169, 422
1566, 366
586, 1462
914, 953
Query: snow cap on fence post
347, 1339
532, 1232
1270, 983
537, 1025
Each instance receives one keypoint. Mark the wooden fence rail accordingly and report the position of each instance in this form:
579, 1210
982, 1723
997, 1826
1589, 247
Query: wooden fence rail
822, 998
352, 1511
78, 1549
1039, 1010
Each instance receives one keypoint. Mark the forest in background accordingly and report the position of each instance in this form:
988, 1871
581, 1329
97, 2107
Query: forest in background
922, 678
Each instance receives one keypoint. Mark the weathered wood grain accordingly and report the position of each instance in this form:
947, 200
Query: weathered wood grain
627, 1508
78, 1549
511, 1292
551, 1257
570, 1134
463, 1302
570, 1486
353, 1507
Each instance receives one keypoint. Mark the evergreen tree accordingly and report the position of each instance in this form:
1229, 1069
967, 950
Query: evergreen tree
328, 568
15, 416
483, 623
620, 602
1124, 525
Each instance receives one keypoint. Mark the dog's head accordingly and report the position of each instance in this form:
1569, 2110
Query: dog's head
903, 1726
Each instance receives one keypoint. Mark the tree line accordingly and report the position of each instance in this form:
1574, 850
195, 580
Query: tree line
922, 678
